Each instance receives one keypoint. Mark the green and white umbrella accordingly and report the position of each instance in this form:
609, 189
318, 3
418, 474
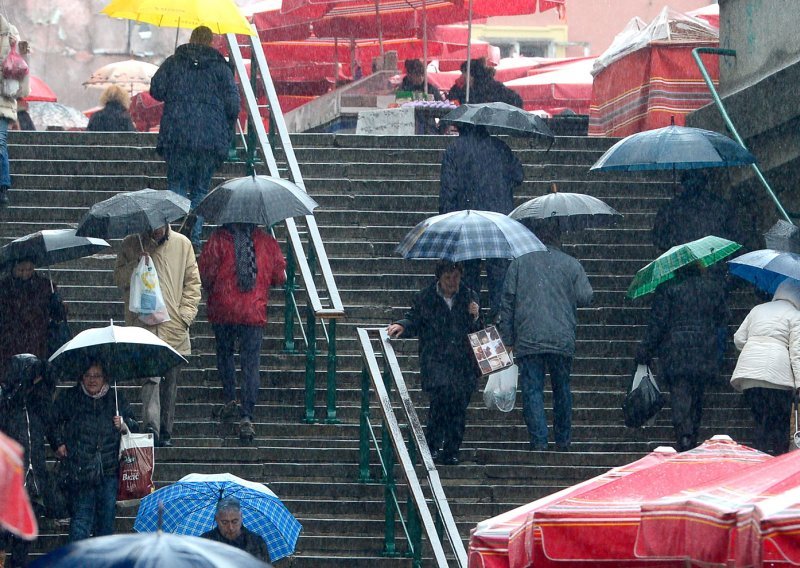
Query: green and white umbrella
706, 251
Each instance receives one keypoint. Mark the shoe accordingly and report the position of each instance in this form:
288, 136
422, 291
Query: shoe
246, 430
3, 195
449, 460
562, 447
165, 441
435, 455
229, 411
685, 443
538, 447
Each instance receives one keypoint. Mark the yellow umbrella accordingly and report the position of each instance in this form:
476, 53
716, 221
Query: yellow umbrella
222, 16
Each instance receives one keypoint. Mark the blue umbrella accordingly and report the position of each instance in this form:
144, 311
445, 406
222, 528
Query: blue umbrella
145, 550
464, 235
673, 148
766, 268
190, 504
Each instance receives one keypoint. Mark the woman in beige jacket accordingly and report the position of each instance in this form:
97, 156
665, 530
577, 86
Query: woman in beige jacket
8, 101
769, 364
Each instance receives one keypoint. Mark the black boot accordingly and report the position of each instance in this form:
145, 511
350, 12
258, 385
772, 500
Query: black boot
3, 195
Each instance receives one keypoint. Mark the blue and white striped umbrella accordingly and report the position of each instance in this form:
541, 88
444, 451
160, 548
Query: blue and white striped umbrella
766, 268
190, 505
469, 234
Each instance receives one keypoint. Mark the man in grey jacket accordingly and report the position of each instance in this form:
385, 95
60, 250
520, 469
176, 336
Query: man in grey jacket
538, 316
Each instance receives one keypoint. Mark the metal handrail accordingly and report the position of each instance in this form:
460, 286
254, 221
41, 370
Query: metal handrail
416, 444
297, 260
728, 122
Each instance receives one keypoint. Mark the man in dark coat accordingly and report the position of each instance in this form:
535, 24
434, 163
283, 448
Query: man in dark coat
685, 314
201, 103
230, 531
483, 87
442, 315
26, 401
480, 172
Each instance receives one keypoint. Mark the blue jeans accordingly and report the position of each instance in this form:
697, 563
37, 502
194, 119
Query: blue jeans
249, 337
532, 369
5, 170
94, 509
189, 174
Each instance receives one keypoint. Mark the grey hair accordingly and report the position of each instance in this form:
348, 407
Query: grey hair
229, 504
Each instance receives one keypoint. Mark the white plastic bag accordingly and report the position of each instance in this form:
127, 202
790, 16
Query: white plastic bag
145, 297
501, 389
136, 464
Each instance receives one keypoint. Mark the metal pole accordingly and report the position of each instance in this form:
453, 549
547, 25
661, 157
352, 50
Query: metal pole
363, 430
289, 303
380, 26
311, 365
425, 47
331, 410
469, 51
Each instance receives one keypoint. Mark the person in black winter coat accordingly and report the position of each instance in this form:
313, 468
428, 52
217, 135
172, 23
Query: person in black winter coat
89, 420
114, 116
201, 103
25, 407
483, 88
684, 317
480, 172
442, 315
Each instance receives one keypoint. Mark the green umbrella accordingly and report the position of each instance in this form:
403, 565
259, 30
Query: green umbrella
707, 251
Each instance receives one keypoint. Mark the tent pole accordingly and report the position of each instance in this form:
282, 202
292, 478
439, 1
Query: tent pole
425, 47
380, 26
469, 51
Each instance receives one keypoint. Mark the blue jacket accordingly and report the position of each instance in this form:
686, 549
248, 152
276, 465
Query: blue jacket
201, 101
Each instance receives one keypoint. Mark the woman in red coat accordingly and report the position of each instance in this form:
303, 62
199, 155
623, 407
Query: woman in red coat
238, 265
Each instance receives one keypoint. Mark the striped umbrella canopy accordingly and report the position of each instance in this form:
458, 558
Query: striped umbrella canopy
464, 235
706, 251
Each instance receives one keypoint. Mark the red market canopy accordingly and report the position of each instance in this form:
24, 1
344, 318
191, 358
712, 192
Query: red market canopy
16, 514
40, 91
557, 86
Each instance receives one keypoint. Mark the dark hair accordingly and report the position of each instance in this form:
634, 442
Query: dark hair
447, 266
202, 35
414, 67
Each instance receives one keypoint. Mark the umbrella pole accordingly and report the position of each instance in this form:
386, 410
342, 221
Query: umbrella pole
469, 51
380, 26
116, 398
425, 48
50, 278
139, 236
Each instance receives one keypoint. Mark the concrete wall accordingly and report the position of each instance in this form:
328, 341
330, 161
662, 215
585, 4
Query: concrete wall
764, 35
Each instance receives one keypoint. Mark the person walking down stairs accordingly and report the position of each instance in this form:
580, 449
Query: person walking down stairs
238, 265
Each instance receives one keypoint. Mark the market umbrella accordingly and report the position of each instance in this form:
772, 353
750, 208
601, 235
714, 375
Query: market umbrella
673, 148
570, 210
766, 268
130, 353
40, 91
706, 251
132, 212
469, 234
188, 507
16, 513
222, 16
56, 115
259, 200
50, 246
501, 118
130, 74
783, 236
148, 549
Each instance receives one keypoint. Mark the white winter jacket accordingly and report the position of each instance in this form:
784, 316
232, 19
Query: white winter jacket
769, 340
8, 105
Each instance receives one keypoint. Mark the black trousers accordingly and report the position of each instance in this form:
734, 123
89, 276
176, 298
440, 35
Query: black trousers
447, 417
686, 397
772, 412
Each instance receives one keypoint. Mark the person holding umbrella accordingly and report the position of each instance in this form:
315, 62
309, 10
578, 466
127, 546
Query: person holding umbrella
238, 265
9, 38
27, 304
179, 279
769, 362
88, 420
442, 315
231, 531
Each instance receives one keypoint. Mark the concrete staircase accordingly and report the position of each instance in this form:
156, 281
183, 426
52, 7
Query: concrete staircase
371, 191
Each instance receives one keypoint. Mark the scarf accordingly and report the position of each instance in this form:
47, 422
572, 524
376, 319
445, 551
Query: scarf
245, 252
103, 392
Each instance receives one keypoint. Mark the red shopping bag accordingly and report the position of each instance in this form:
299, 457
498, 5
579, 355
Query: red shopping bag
14, 66
136, 463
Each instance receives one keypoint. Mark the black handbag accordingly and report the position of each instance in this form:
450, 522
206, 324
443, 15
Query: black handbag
644, 399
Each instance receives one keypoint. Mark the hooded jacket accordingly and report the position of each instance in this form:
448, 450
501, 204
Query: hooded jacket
8, 105
178, 278
201, 101
769, 340
226, 303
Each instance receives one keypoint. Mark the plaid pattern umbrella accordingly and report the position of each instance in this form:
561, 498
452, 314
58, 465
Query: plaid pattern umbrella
132, 212
707, 251
258, 200
571, 210
464, 235
190, 506
766, 268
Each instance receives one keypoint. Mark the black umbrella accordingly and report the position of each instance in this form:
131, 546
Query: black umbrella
258, 200
501, 118
783, 236
48, 247
133, 212
570, 210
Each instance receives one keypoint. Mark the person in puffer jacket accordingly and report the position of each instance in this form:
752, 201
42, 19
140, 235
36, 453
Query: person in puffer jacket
769, 364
